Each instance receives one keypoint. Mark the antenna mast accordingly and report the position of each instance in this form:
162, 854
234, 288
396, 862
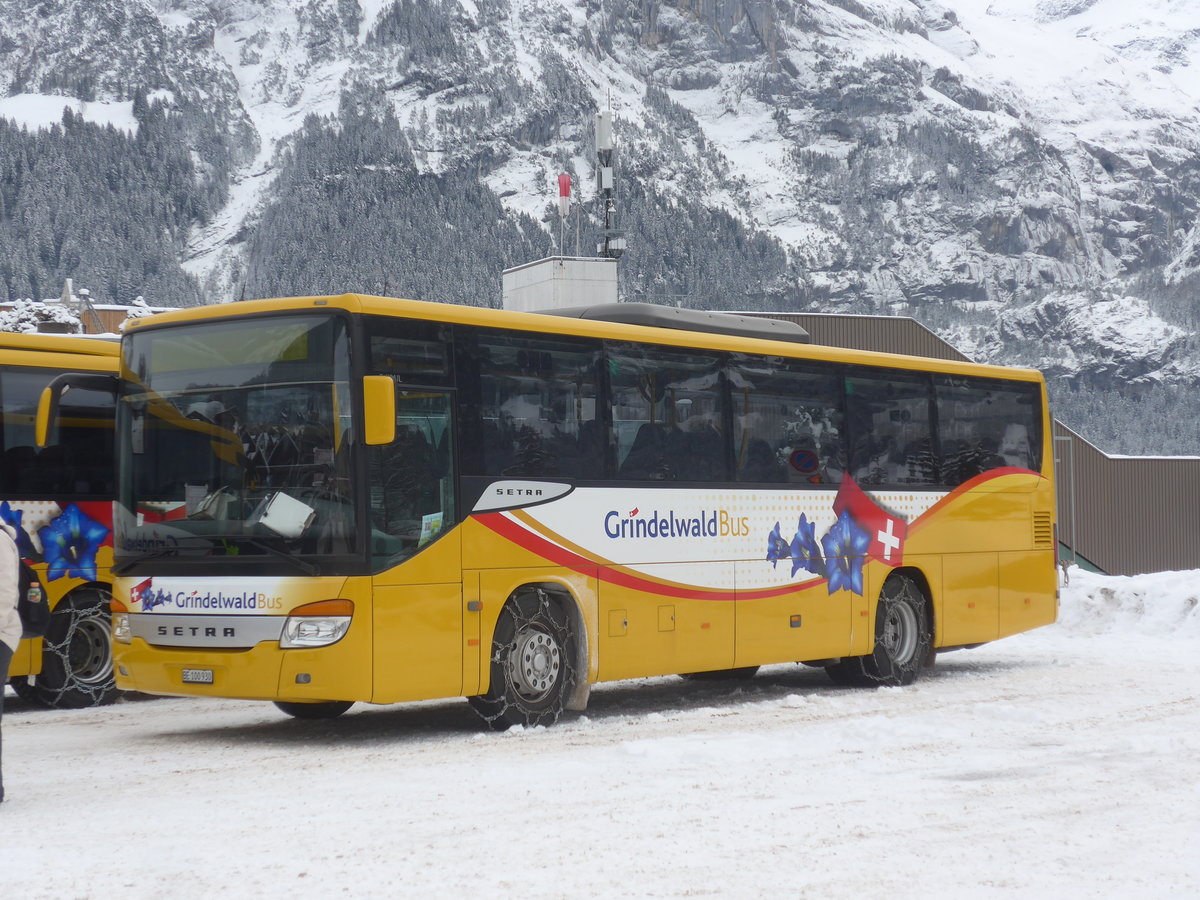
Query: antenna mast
613, 244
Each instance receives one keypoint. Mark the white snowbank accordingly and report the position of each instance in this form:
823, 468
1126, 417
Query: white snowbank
1062, 763
1162, 604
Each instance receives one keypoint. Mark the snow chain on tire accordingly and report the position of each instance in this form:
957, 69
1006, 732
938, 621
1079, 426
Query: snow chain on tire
903, 636
77, 664
532, 661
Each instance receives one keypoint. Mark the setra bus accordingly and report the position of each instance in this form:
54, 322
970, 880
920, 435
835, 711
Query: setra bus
58, 498
338, 499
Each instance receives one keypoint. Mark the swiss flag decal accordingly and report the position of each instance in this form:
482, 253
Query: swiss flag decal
887, 530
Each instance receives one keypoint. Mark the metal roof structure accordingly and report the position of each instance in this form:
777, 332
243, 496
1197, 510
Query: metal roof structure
657, 316
884, 334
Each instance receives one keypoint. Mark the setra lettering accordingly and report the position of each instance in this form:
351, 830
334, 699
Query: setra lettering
195, 631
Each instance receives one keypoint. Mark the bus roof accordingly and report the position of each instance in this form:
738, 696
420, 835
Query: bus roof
568, 322
59, 343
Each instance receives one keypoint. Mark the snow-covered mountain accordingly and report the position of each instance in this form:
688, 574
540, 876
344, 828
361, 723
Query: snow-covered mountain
1021, 175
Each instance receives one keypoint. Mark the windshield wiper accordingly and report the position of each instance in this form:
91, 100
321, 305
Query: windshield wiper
306, 567
120, 568
123, 566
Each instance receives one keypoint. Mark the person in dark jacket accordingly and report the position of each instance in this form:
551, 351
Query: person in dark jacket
10, 622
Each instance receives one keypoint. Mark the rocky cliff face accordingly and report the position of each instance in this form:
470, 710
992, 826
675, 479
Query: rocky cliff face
1021, 175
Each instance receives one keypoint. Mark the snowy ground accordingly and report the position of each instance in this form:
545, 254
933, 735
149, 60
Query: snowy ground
1062, 763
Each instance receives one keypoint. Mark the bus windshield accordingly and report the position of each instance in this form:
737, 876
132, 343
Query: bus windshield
237, 442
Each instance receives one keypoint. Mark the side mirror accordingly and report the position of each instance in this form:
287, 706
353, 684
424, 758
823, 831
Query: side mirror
47, 411
379, 410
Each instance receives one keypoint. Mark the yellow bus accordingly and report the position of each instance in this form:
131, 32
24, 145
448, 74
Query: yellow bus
338, 499
58, 498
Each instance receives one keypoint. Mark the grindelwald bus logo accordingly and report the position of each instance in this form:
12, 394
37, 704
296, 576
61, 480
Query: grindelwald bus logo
670, 524
150, 597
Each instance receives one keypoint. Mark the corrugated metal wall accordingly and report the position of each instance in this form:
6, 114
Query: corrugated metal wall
1125, 515
884, 334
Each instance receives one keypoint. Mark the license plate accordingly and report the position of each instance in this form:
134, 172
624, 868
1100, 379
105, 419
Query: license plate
197, 676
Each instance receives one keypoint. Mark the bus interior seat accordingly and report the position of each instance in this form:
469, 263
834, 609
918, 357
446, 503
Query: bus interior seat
50, 474
761, 463
16, 467
700, 454
579, 454
590, 460
650, 456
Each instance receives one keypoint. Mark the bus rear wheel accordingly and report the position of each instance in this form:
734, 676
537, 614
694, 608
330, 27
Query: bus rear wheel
902, 640
77, 661
532, 663
329, 709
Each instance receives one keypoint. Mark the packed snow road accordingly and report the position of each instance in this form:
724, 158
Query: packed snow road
1062, 763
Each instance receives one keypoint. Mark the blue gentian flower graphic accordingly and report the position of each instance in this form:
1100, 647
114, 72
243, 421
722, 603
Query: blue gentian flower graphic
804, 550
845, 548
13, 517
777, 547
70, 543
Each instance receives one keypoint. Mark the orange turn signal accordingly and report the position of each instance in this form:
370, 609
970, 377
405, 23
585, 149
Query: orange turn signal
325, 608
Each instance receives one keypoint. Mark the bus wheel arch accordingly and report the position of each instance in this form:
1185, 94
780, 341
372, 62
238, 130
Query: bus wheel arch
535, 659
903, 636
77, 660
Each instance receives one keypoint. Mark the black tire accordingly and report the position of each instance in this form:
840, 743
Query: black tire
329, 709
902, 640
77, 660
532, 663
743, 673
24, 689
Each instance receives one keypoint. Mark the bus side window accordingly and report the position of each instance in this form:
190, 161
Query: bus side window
984, 424
787, 421
891, 429
537, 406
668, 413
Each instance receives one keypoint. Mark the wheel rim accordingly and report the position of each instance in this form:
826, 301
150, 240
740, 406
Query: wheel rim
89, 652
534, 664
900, 632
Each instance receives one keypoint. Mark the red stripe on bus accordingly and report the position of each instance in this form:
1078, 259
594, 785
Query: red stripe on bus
535, 543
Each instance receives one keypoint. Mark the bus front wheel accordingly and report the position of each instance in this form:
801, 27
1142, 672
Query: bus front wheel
902, 640
532, 663
77, 662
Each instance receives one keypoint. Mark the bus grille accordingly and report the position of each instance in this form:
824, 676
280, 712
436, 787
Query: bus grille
1043, 531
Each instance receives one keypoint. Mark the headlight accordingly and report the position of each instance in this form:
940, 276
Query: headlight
120, 628
317, 624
